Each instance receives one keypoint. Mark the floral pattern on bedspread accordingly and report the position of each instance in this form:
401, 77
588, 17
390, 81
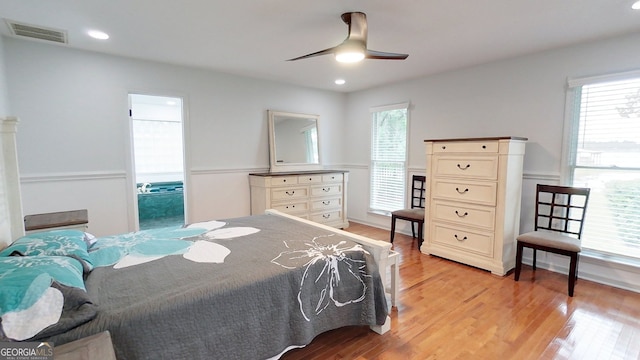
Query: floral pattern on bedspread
328, 262
192, 242
317, 289
37, 292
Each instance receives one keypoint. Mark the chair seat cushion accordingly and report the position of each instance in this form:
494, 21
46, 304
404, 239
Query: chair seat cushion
551, 239
414, 214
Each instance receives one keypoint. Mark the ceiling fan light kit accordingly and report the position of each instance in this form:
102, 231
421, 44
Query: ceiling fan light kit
350, 51
354, 47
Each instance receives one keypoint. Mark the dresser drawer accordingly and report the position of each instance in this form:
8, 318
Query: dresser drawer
284, 180
326, 190
326, 204
293, 207
279, 194
464, 214
327, 216
463, 239
466, 147
309, 179
479, 167
332, 178
479, 193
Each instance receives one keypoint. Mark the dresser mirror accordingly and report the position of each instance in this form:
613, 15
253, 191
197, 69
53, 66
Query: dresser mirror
293, 142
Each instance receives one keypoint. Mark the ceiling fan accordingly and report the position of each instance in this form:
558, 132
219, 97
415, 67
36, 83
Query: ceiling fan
354, 47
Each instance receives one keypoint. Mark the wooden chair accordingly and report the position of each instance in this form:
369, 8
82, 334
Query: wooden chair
559, 218
415, 214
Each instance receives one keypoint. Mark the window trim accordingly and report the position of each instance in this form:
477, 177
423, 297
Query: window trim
588, 80
375, 109
404, 105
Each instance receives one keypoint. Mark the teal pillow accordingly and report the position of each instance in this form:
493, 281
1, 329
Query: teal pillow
41, 295
69, 243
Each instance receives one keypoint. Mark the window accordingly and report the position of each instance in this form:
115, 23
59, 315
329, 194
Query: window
604, 155
388, 158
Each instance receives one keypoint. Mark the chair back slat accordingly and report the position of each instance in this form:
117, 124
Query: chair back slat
561, 208
418, 191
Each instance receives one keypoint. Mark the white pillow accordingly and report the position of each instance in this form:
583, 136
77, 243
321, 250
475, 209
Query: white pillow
89, 239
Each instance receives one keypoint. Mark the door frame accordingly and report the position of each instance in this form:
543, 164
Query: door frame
131, 184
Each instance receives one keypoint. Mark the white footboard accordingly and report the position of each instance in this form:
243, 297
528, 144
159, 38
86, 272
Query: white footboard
381, 251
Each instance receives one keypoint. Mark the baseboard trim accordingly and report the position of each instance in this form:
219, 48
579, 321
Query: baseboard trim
591, 269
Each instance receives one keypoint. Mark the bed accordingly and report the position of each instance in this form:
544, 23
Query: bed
244, 288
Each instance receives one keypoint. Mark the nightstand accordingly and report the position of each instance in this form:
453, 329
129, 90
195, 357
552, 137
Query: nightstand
95, 347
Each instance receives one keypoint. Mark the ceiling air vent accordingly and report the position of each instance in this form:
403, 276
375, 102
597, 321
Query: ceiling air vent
37, 32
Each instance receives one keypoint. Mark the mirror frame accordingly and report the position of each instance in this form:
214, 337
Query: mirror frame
289, 167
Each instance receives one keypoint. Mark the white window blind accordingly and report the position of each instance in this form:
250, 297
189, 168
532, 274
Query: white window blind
605, 156
388, 158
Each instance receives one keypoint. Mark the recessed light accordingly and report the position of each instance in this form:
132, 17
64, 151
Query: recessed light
340, 81
100, 35
636, 5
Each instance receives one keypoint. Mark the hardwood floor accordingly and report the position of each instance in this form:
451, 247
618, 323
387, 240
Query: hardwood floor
448, 310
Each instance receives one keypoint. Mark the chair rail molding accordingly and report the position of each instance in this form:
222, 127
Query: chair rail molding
72, 176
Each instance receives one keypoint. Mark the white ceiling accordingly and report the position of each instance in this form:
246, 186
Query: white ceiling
255, 37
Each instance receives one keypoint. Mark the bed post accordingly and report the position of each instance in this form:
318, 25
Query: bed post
381, 329
12, 226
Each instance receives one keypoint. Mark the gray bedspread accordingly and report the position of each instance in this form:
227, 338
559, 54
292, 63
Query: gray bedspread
277, 287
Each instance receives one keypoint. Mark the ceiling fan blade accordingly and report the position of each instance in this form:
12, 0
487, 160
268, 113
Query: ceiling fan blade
372, 54
317, 53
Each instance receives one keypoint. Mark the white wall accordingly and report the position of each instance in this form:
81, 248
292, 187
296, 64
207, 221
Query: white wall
4, 96
524, 96
74, 145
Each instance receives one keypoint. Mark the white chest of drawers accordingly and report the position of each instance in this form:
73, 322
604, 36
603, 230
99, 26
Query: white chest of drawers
473, 197
319, 196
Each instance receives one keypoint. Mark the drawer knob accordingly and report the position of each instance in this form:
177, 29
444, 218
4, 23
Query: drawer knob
465, 167
461, 192
326, 216
290, 193
444, 147
326, 189
457, 238
309, 179
463, 215
326, 202
284, 180
484, 146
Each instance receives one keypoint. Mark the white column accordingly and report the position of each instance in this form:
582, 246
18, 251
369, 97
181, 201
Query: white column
11, 220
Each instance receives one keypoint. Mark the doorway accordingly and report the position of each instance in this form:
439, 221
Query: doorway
158, 157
